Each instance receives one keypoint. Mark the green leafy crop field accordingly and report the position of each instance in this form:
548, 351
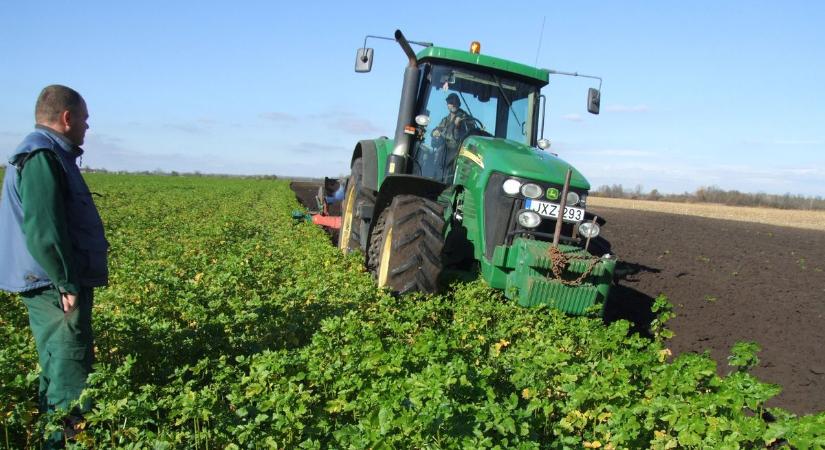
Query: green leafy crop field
229, 325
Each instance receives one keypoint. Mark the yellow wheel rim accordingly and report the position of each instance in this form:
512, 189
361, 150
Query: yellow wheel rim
383, 267
346, 222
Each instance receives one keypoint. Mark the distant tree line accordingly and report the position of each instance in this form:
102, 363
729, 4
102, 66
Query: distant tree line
714, 194
705, 194
175, 173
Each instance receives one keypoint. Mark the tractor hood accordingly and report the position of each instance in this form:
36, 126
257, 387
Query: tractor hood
520, 160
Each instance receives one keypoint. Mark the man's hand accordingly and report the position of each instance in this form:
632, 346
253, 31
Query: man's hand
436, 133
458, 120
69, 302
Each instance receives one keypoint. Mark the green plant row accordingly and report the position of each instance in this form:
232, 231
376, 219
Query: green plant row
227, 324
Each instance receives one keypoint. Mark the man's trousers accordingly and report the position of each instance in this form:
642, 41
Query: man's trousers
64, 345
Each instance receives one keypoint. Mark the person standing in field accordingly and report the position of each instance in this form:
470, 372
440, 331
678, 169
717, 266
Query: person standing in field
53, 250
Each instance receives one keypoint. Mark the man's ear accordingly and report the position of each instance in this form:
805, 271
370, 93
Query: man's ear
64, 120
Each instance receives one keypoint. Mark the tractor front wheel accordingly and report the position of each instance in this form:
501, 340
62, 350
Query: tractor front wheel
406, 247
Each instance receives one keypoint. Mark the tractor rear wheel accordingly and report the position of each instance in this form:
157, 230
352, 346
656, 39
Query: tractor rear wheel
356, 195
406, 247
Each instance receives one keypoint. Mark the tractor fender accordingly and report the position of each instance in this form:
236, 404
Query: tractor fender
404, 185
367, 151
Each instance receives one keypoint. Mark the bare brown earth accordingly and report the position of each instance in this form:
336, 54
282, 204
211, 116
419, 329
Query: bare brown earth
729, 281
732, 281
810, 220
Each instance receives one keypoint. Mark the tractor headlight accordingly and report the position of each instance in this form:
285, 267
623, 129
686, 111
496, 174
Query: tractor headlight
529, 219
589, 229
511, 186
583, 201
544, 144
531, 190
422, 120
572, 198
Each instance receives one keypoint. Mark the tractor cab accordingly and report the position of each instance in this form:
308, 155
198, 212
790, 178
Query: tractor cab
455, 102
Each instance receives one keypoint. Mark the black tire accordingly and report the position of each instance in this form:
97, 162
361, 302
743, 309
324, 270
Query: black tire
349, 237
407, 242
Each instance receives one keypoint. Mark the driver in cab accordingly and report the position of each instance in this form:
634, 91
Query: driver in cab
448, 134
449, 129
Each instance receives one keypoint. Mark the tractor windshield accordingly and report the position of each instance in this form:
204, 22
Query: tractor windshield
462, 102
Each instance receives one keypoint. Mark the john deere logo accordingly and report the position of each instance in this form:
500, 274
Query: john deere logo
552, 193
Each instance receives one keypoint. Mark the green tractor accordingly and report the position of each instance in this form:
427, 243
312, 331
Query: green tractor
467, 186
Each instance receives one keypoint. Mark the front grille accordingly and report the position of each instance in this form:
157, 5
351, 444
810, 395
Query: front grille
500, 210
499, 213
548, 227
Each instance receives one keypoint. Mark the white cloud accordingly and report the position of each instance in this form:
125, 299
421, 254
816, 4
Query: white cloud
783, 142
345, 121
276, 116
627, 109
673, 175
112, 153
315, 148
196, 126
625, 153
355, 125
572, 117
308, 159
190, 128
797, 142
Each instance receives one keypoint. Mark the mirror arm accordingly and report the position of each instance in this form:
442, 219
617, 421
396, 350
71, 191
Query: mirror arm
576, 74
423, 44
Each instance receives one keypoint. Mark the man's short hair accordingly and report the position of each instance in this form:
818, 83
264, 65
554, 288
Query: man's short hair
53, 100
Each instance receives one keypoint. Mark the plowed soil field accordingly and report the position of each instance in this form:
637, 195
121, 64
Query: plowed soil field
729, 281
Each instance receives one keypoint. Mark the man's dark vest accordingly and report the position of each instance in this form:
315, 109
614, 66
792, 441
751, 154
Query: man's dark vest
19, 272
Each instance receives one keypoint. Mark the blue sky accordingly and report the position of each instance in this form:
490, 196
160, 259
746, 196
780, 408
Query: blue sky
695, 93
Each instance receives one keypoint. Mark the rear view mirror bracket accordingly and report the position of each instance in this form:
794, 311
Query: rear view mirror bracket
363, 59
594, 96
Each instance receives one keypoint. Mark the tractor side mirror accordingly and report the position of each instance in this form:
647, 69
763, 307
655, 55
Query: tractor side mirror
594, 98
363, 60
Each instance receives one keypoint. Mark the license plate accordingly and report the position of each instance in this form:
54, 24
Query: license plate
551, 210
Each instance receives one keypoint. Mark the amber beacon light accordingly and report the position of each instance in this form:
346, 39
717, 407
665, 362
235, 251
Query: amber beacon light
475, 47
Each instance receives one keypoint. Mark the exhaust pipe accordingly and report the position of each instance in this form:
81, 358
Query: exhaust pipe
397, 162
